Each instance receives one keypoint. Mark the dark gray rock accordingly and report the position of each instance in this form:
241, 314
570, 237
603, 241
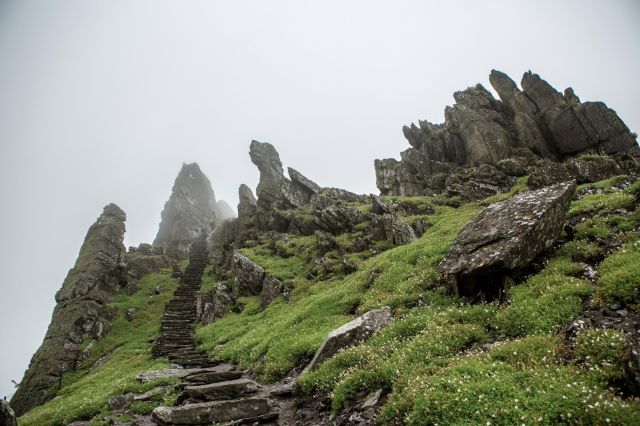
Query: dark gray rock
248, 276
179, 373
325, 242
190, 212
392, 228
214, 304
81, 312
130, 315
7, 416
271, 289
303, 182
378, 206
140, 263
548, 173
213, 412
230, 389
592, 168
504, 237
120, 403
351, 334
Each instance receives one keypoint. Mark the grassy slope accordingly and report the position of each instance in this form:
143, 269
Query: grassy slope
85, 392
425, 356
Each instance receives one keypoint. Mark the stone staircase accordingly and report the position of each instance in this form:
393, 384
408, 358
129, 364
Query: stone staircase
176, 341
219, 395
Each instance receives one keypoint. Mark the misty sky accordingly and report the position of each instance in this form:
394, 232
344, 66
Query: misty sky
102, 101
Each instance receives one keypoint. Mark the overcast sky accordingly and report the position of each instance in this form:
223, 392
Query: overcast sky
102, 101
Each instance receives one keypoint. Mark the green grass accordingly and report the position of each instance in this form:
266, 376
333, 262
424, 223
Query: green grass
607, 201
619, 276
85, 392
600, 352
545, 301
274, 341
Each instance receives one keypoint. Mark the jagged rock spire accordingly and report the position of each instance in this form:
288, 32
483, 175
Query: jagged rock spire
191, 211
80, 312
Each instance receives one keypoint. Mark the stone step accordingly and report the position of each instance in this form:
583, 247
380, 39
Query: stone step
231, 389
151, 375
213, 412
212, 377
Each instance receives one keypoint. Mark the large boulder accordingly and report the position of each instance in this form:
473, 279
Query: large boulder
7, 416
505, 237
190, 212
81, 311
392, 228
213, 304
248, 276
271, 289
351, 334
236, 410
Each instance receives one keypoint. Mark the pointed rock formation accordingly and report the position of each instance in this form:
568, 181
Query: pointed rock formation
190, 212
225, 211
274, 189
484, 143
81, 311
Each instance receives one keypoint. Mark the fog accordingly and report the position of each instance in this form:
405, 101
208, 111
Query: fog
102, 101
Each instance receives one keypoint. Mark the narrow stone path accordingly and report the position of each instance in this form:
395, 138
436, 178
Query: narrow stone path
176, 340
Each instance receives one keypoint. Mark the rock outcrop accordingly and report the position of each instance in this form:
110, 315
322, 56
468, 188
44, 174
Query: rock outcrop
351, 334
190, 212
505, 237
484, 143
7, 416
81, 311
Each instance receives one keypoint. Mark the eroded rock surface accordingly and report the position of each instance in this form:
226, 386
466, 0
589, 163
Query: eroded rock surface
81, 311
7, 416
504, 237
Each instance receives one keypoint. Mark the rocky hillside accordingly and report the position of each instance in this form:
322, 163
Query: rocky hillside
494, 281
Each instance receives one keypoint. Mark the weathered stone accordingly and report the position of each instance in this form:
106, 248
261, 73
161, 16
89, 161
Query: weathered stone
512, 167
213, 376
7, 416
140, 263
592, 168
378, 206
130, 314
145, 248
248, 276
271, 289
539, 91
229, 389
81, 312
214, 304
152, 375
392, 228
120, 402
351, 334
213, 412
548, 173
190, 212
337, 219
504, 237
303, 182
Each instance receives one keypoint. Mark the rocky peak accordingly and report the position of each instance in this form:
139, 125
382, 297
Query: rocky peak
190, 211
81, 312
225, 210
485, 143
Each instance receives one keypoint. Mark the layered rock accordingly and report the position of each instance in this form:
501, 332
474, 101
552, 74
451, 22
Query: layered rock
81, 311
485, 142
190, 212
505, 237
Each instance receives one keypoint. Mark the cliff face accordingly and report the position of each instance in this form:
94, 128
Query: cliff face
484, 143
190, 212
80, 312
